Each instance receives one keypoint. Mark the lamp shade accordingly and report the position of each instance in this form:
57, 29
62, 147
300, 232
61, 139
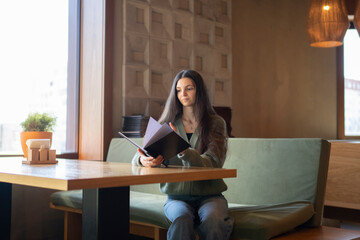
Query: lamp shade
356, 20
327, 23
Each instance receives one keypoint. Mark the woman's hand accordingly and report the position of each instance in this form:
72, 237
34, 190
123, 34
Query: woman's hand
150, 161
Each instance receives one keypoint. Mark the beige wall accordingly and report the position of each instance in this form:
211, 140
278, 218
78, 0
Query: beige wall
282, 87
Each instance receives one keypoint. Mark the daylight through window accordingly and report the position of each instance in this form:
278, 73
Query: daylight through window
352, 83
34, 70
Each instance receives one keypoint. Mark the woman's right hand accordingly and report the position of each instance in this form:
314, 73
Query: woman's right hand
150, 161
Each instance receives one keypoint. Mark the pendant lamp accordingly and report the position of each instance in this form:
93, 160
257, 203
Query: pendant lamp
356, 20
327, 23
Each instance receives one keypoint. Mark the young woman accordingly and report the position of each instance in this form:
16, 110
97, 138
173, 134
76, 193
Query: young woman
197, 204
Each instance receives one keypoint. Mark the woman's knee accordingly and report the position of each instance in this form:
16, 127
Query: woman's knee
216, 228
178, 209
185, 219
212, 221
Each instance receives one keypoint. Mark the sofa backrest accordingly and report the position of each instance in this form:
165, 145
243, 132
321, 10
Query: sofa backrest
121, 150
272, 171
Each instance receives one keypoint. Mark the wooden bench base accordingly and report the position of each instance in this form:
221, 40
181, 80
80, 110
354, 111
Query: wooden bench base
73, 219
147, 230
72, 229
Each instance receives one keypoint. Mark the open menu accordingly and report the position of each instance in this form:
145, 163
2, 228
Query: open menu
161, 139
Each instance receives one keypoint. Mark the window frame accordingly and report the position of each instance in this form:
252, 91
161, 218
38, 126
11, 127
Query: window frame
73, 78
341, 94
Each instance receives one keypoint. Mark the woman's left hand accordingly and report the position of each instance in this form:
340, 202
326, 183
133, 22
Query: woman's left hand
150, 161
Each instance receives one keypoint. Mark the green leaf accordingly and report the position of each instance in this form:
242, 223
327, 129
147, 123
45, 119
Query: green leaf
37, 122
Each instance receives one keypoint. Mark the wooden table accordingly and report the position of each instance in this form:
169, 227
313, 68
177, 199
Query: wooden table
106, 189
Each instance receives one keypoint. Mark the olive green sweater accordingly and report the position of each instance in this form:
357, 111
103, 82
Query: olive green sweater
212, 157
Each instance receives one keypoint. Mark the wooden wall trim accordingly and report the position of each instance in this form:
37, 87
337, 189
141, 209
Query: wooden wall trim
95, 83
343, 180
340, 92
91, 80
109, 75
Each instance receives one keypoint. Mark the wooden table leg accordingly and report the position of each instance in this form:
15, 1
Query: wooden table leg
106, 213
5, 210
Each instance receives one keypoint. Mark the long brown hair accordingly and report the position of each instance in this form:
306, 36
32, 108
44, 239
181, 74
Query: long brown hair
202, 108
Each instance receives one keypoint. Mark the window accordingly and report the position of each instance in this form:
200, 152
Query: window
351, 83
39, 69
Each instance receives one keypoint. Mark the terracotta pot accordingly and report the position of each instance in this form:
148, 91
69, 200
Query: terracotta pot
33, 135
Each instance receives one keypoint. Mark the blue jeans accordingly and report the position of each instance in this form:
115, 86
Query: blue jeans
209, 214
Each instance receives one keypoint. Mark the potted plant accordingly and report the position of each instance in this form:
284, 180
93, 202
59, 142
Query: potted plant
37, 126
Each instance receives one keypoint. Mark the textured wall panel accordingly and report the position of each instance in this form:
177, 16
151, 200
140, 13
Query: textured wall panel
183, 27
137, 49
183, 5
161, 23
204, 59
221, 88
137, 17
182, 55
159, 88
136, 82
156, 108
204, 32
162, 4
222, 35
134, 106
160, 53
163, 37
205, 9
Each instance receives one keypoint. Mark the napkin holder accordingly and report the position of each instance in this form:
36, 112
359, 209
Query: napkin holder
39, 152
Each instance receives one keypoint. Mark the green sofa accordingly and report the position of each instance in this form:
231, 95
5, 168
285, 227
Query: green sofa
280, 185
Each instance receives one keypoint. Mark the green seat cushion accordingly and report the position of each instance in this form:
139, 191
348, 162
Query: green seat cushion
144, 207
71, 199
251, 222
148, 208
264, 222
